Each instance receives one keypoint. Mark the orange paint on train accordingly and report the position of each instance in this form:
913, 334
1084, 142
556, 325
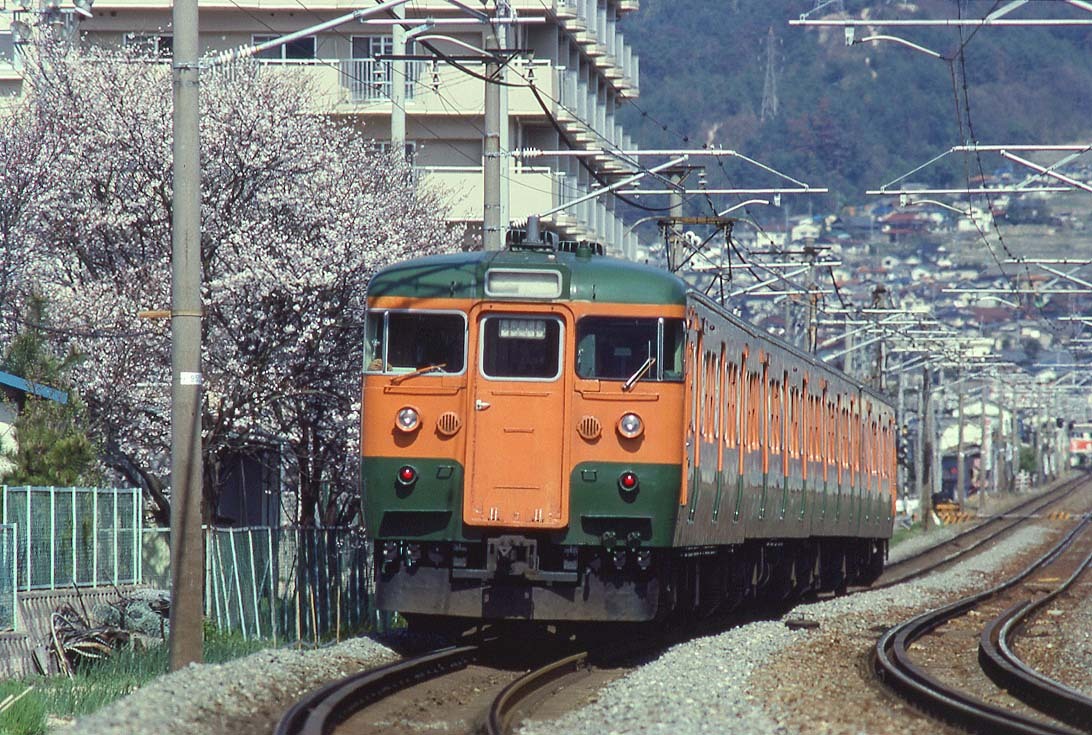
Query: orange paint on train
518, 474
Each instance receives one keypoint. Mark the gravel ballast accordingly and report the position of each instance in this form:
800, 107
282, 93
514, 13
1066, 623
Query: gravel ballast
765, 678
761, 677
240, 697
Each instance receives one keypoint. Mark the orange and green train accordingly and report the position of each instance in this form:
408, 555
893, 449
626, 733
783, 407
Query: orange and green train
555, 435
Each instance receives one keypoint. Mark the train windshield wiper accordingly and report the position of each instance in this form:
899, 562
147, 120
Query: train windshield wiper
641, 371
419, 371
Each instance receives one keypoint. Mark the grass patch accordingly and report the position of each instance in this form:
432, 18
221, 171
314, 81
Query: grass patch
903, 534
97, 683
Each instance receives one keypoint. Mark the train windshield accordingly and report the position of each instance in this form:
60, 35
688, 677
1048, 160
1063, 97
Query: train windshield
407, 341
521, 348
615, 348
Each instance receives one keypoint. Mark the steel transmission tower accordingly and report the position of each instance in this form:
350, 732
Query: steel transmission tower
769, 89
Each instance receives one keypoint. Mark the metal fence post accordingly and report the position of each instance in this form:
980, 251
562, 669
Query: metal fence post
52, 537
254, 584
30, 578
13, 550
238, 581
116, 524
94, 537
273, 581
138, 535
212, 601
75, 527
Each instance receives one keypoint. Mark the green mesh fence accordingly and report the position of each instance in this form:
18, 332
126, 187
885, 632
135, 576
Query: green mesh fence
86, 536
287, 584
7, 576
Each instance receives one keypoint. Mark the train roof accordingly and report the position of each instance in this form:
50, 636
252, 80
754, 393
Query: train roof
583, 277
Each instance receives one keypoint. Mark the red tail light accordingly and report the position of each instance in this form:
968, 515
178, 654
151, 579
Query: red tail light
406, 476
628, 482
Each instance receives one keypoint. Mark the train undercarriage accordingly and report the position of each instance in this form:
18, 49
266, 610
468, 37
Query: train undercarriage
519, 578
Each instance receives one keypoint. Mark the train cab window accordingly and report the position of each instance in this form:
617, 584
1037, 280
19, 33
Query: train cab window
404, 341
521, 348
615, 348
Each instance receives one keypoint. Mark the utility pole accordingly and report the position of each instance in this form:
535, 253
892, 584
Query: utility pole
937, 476
187, 547
900, 421
985, 460
674, 234
961, 473
398, 84
925, 423
492, 230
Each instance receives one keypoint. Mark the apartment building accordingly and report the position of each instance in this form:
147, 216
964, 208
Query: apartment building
572, 52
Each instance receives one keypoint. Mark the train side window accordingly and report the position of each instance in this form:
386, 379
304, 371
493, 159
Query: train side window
521, 348
614, 348
402, 341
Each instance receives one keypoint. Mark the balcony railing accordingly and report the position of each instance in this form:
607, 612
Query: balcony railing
369, 79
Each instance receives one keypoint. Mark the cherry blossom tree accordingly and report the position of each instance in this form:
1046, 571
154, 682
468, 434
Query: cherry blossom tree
298, 210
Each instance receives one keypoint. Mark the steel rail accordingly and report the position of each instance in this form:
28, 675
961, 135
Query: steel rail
507, 703
1030, 506
1004, 667
321, 711
894, 666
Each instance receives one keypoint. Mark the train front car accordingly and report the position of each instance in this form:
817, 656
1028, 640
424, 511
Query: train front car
523, 435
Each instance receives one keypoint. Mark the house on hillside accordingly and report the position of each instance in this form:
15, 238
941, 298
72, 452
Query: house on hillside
13, 392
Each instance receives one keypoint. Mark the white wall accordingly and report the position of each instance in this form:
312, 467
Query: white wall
7, 433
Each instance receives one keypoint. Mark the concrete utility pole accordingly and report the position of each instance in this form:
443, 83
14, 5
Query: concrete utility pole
934, 436
961, 472
493, 231
398, 83
674, 233
925, 423
900, 421
985, 461
187, 547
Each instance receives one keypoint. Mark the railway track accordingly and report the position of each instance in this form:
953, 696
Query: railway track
919, 657
323, 710
335, 707
973, 539
326, 710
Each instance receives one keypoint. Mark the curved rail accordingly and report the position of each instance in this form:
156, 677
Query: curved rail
1001, 664
507, 703
896, 668
324, 709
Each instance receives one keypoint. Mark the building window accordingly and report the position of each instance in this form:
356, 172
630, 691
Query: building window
148, 46
384, 147
301, 48
7, 48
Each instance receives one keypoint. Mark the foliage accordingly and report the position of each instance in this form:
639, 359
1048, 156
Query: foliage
298, 210
850, 118
27, 716
103, 681
53, 447
1029, 460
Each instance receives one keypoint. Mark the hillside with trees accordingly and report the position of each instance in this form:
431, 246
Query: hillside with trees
852, 118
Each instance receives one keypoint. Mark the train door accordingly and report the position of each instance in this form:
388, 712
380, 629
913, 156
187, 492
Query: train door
517, 455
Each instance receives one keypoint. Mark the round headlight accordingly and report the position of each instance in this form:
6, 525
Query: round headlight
630, 426
628, 482
407, 419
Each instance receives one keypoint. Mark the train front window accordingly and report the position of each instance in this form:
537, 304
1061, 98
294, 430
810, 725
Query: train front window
615, 348
405, 341
521, 347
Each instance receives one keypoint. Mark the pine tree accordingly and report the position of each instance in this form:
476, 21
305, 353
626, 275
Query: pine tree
53, 447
